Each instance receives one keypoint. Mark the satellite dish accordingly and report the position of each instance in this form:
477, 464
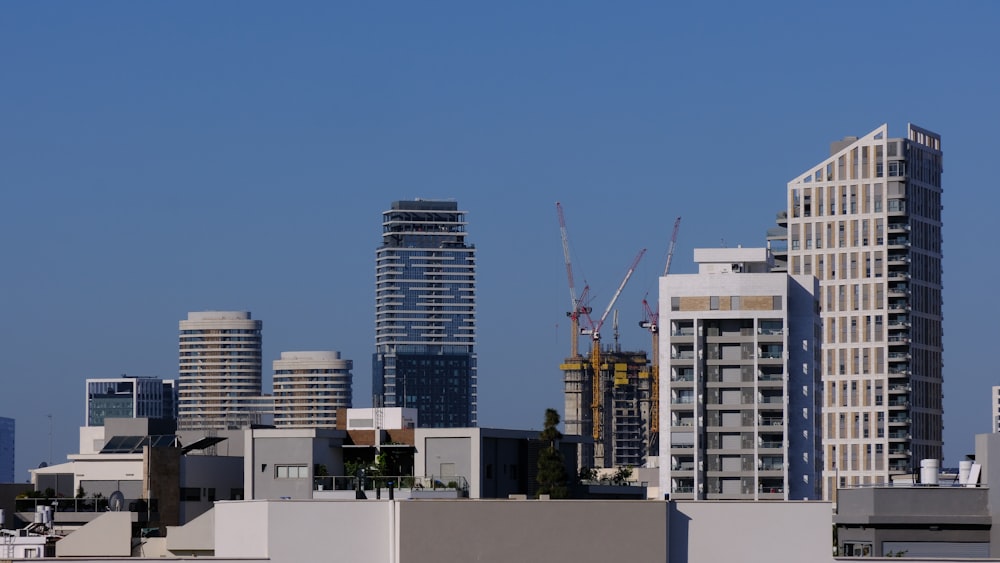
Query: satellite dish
116, 501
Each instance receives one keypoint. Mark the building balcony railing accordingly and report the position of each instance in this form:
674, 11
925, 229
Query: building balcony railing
84, 504
683, 400
404, 482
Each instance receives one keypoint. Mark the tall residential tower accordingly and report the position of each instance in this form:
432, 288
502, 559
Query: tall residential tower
739, 399
309, 387
220, 371
867, 222
425, 314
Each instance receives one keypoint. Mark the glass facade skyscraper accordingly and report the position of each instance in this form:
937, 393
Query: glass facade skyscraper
6, 450
425, 314
130, 397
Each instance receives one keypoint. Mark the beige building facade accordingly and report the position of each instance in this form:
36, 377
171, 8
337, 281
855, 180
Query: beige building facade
219, 385
309, 387
867, 223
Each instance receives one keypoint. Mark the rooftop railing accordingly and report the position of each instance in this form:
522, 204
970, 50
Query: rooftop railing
430, 482
84, 504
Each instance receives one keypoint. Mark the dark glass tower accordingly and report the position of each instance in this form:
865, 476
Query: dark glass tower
425, 314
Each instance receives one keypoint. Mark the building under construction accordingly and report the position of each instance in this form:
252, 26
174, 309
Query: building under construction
622, 412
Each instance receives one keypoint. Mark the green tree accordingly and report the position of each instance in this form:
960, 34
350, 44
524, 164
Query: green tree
552, 478
622, 475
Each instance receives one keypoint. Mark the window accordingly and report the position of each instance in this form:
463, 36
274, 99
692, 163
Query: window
291, 472
675, 303
190, 494
713, 302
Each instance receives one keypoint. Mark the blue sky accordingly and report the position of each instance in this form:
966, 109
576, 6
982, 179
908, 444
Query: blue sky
160, 158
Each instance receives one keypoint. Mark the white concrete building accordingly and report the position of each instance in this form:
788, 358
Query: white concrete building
220, 371
739, 392
995, 408
867, 223
388, 418
309, 387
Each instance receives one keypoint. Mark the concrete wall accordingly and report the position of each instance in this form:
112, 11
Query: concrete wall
110, 534
502, 530
268, 453
776, 532
222, 473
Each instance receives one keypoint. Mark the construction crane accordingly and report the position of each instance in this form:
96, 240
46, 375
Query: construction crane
597, 398
579, 306
650, 322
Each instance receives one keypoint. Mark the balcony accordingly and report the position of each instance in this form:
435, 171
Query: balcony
685, 375
772, 421
71, 511
768, 399
404, 486
899, 289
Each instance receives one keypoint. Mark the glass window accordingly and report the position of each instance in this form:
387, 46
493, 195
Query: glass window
291, 472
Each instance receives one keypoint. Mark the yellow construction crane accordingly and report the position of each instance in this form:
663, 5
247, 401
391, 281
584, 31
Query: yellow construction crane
594, 331
651, 323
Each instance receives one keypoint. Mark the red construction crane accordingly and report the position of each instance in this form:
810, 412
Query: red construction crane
594, 331
578, 305
651, 323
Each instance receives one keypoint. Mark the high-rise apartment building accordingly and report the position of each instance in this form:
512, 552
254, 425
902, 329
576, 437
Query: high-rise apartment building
219, 386
995, 407
622, 436
130, 397
309, 387
425, 314
867, 222
740, 393
6, 450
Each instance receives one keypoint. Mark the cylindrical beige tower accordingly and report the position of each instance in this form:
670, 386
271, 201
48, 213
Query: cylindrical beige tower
219, 384
309, 387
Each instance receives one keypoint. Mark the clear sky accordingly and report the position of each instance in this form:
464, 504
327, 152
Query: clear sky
160, 158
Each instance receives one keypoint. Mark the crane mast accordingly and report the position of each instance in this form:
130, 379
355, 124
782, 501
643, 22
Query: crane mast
651, 323
577, 305
597, 396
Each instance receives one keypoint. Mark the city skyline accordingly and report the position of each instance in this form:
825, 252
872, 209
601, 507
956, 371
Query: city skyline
157, 163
